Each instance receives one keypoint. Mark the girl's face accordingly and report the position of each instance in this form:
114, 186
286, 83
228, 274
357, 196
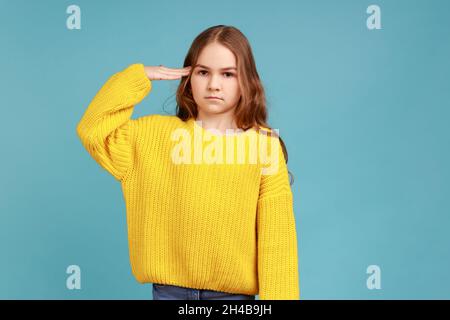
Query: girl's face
215, 74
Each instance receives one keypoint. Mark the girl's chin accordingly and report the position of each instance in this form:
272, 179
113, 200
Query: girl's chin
213, 108
214, 102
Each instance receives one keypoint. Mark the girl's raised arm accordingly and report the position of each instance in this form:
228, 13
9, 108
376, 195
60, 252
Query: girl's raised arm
106, 128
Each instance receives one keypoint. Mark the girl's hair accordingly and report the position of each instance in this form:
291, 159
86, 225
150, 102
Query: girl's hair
251, 110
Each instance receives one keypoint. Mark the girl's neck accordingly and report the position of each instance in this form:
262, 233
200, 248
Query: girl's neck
219, 123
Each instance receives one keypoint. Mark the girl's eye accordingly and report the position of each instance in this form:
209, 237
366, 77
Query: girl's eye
229, 74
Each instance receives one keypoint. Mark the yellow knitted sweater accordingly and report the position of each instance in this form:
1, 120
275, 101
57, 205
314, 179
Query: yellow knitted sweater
215, 225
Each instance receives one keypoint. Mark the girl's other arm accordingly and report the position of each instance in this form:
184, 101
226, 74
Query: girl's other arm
276, 235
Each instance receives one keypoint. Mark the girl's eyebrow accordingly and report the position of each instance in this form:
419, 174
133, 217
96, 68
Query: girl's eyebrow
202, 66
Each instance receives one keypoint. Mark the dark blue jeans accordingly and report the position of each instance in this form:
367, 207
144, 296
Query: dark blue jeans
171, 292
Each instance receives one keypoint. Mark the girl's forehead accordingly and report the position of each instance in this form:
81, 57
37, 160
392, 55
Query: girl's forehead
220, 68
216, 57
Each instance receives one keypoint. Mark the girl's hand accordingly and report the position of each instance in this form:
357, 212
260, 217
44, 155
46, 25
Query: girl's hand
163, 73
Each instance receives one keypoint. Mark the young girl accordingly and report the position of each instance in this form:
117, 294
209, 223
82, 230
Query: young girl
202, 223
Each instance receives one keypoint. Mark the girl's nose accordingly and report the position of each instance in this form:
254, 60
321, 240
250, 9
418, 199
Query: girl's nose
214, 83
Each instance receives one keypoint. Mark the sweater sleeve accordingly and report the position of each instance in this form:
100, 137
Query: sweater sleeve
106, 127
276, 233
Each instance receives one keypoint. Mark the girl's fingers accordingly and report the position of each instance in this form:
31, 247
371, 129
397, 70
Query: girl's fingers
176, 70
172, 73
173, 76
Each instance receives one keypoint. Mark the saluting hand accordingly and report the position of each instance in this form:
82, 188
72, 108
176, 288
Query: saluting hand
162, 73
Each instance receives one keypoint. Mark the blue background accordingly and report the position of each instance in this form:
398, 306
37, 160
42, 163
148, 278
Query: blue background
364, 115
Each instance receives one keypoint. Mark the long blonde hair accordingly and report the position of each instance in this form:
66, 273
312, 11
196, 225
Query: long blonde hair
251, 109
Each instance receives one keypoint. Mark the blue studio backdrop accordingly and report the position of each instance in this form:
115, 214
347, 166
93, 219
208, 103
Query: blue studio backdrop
358, 89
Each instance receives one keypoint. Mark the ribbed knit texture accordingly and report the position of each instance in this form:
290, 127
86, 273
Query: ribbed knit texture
220, 226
